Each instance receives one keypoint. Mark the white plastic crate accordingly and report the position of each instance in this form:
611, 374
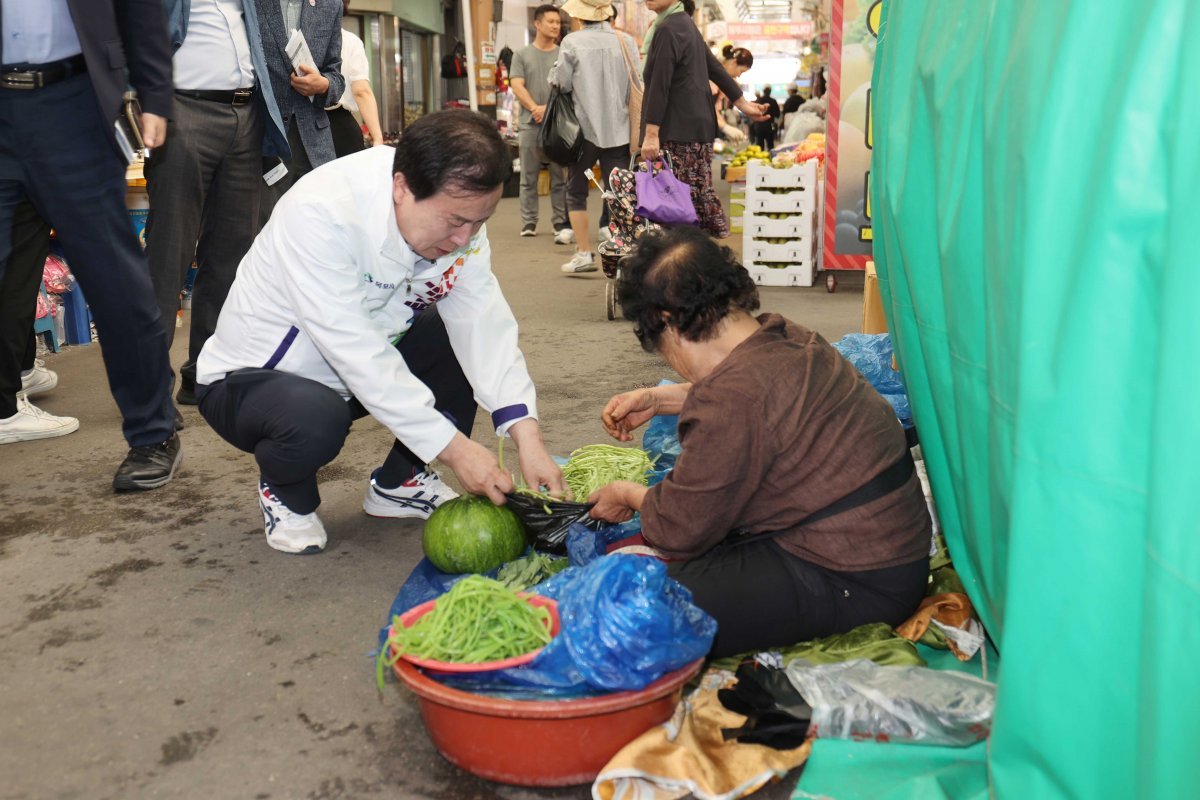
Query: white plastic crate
793, 250
798, 184
793, 226
802, 274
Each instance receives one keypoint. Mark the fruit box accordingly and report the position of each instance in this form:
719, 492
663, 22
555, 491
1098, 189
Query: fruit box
795, 202
794, 226
735, 174
803, 274
791, 250
799, 176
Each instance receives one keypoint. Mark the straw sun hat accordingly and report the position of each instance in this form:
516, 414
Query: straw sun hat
589, 10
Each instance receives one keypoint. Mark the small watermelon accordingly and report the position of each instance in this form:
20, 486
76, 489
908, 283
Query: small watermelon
471, 534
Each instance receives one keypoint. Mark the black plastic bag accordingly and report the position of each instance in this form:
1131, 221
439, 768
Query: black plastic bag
561, 137
547, 521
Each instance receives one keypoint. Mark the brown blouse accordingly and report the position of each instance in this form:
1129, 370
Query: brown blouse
781, 428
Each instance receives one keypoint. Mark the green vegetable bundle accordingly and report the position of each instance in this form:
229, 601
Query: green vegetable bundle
521, 573
478, 620
597, 465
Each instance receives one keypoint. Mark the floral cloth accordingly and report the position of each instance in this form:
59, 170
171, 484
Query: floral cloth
692, 163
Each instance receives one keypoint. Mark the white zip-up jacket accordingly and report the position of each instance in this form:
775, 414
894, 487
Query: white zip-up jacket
329, 286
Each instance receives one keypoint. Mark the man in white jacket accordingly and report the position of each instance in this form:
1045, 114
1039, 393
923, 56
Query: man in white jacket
370, 291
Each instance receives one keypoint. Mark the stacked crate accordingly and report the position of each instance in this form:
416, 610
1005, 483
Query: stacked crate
779, 224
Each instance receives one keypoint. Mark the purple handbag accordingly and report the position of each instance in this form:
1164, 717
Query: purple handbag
663, 198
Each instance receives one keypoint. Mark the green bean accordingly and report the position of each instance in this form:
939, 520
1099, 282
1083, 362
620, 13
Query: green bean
478, 620
596, 465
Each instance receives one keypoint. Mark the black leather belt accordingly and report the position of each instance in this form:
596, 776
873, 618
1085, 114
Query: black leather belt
231, 97
38, 76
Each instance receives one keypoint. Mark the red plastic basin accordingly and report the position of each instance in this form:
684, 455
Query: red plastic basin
539, 742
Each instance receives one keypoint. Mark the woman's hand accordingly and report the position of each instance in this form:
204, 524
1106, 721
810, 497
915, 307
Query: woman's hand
613, 503
650, 147
755, 111
625, 412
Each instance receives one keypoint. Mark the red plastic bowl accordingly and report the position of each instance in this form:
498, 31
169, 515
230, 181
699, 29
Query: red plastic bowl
539, 742
409, 618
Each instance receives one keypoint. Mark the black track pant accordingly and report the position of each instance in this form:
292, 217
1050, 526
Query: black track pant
764, 597
294, 425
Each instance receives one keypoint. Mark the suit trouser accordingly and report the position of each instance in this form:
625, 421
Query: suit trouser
297, 167
54, 150
294, 425
18, 300
532, 159
203, 187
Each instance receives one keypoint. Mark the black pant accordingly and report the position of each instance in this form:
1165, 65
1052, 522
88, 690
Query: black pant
577, 181
347, 133
203, 187
54, 151
763, 596
294, 425
19, 283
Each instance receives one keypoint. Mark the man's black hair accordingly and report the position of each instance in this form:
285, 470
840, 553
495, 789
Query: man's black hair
681, 278
544, 9
455, 149
766, 91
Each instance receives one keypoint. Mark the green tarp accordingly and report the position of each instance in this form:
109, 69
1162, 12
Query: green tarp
1033, 189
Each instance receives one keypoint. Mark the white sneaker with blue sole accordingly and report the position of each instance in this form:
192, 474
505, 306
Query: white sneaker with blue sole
416, 498
287, 531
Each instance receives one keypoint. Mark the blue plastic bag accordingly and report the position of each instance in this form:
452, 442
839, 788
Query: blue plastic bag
871, 355
625, 624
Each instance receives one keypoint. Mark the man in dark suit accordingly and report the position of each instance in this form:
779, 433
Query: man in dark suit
302, 98
65, 66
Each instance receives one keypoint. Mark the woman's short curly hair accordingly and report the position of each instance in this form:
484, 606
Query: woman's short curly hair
681, 278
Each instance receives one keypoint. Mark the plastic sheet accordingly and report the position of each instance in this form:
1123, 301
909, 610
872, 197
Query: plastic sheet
625, 624
864, 701
871, 355
1033, 208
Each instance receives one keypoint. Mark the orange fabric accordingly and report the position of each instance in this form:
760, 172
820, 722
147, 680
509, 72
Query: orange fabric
951, 609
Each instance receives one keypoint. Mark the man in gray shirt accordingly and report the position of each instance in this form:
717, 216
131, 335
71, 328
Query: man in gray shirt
530, 82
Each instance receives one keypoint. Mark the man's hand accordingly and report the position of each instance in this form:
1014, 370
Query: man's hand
755, 111
477, 469
154, 130
310, 82
539, 113
613, 502
537, 466
625, 412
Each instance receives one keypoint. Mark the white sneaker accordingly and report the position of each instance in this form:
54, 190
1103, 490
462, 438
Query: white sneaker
287, 531
30, 423
605, 234
417, 497
580, 262
38, 380
564, 236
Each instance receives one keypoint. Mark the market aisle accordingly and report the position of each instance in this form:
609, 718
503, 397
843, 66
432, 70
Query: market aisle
152, 644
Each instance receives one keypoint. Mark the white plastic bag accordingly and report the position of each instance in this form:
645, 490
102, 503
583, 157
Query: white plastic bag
864, 701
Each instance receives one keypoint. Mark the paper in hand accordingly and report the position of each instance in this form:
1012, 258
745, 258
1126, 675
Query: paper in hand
298, 52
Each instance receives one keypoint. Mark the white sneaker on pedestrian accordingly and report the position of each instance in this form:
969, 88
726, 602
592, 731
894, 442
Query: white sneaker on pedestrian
564, 236
605, 234
38, 380
580, 262
31, 422
287, 531
416, 498
529, 229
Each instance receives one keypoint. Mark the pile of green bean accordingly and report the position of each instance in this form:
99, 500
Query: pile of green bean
478, 620
596, 465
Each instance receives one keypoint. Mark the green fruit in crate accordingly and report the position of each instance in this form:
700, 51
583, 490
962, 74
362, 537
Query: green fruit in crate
471, 534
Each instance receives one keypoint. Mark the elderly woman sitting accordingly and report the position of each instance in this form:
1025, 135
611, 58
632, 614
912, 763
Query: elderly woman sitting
793, 510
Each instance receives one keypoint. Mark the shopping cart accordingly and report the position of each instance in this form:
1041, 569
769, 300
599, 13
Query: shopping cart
625, 227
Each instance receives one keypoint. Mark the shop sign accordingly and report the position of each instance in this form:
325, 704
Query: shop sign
847, 230
759, 31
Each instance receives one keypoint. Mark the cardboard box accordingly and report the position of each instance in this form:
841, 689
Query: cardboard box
873, 318
543, 185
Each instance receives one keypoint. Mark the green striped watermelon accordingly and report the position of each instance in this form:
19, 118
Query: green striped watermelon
471, 534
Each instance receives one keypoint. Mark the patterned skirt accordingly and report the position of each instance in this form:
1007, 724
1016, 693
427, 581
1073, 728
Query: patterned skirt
692, 163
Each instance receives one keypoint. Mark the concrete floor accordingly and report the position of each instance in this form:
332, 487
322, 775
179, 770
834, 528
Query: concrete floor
152, 645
